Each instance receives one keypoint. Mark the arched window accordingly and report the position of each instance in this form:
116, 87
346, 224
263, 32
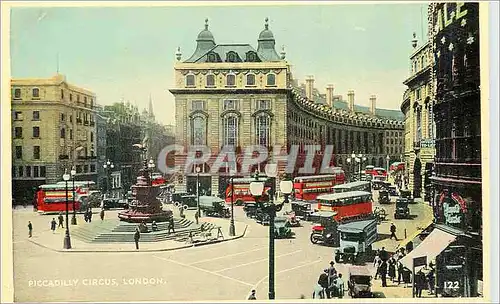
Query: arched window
250, 80
251, 56
210, 80
36, 92
17, 93
271, 79
190, 81
230, 125
262, 129
418, 115
198, 130
231, 80
212, 57
231, 57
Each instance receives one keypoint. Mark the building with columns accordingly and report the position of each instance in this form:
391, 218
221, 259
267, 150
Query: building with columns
417, 105
236, 95
53, 129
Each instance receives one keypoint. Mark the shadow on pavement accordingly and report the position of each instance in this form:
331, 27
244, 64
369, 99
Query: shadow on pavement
383, 236
378, 294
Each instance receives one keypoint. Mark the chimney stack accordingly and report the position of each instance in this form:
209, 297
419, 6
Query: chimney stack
309, 87
350, 99
329, 95
373, 100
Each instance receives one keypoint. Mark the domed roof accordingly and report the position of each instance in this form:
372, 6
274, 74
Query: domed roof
266, 34
205, 35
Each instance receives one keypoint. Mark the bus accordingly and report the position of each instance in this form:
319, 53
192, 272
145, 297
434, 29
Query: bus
51, 198
157, 179
377, 173
242, 192
307, 188
347, 205
353, 186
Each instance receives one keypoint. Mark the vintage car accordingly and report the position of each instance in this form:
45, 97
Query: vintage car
383, 197
114, 202
282, 228
292, 219
401, 210
250, 209
214, 206
184, 198
405, 193
356, 239
393, 190
377, 184
261, 217
324, 229
302, 209
359, 282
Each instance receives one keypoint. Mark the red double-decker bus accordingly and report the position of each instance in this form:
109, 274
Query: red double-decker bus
347, 205
242, 192
52, 198
307, 188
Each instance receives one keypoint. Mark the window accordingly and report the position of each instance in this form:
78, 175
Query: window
70, 97
199, 130
271, 79
230, 125
18, 115
20, 171
19, 152
63, 133
18, 132
78, 168
231, 57
198, 105
85, 168
36, 132
70, 133
36, 115
71, 118
62, 94
250, 80
210, 80
231, 80
85, 99
251, 57
63, 117
419, 125
36, 152
28, 171
91, 136
36, 172
43, 171
77, 98
263, 104
262, 129
91, 102
92, 168
17, 93
190, 81
212, 57
230, 105
36, 93
418, 94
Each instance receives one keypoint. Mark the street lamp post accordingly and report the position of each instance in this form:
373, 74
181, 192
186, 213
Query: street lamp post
198, 169
358, 167
73, 174
353, 162
257, 188
387, 159
362, 159
108, 166
67, 238
151, 166
232, 228
349, 168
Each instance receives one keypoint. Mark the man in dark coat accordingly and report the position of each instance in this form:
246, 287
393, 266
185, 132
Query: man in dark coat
384, 256
90, 215
252, 295
383, 273
102, 214
137, 236
393, 232
61, 220
419, 283
53, 225
171, 225
323, 282
30, 229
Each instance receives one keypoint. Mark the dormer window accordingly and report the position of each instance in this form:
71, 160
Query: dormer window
271, 80
212, 57
210, 80
231, 80
231, 57
190, 81
250, 80
251, 57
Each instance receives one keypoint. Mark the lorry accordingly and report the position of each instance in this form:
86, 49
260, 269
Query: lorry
401, 210
356, 239
214, 206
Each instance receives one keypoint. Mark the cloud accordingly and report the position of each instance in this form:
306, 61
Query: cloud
359, 29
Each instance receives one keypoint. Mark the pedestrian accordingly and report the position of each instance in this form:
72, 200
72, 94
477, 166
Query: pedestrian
340, 286
383, 273
431, 280
171, 225
30, 229
61, 220
393, 231
384, 256
400, 271
154, 226
137, 236
102, 214
90, 215
320, 291
376, 264
53, 225
252, 295
196, 217
392, 269
332, 273
419, 283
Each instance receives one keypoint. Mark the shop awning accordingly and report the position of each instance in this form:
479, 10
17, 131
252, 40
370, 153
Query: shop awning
412, 236
433, 245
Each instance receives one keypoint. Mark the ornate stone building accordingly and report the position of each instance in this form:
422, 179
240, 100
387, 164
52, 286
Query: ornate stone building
235, 95
417, 107
53, 129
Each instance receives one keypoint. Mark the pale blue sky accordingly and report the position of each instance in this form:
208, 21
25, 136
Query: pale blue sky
128, 52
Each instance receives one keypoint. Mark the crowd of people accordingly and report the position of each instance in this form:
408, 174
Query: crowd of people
330, 284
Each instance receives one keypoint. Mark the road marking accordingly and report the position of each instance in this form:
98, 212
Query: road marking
283, 271
227, 256
204, 270
258, 261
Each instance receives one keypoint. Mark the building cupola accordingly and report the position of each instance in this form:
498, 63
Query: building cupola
266, 44
204, 42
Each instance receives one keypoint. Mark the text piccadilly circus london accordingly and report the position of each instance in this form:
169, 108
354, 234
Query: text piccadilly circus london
227, 159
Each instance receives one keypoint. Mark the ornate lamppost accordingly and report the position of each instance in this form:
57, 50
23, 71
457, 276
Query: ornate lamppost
269, 207
108, 166
349, 168
67, 238
232, 228
73, 174
151, 166
362, 159
387, 158
198, 169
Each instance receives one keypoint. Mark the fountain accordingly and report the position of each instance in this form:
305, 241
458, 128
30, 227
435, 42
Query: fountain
145, 205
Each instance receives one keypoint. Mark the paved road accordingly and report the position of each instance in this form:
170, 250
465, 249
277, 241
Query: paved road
224, 271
